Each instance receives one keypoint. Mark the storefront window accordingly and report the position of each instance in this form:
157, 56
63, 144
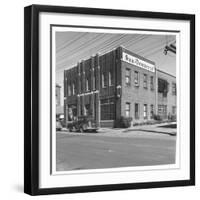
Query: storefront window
107, 109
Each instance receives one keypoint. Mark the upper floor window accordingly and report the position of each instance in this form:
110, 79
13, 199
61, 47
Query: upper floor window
94, 82
173, 88
145, 80
73, 89
151, 83
87, 84
110, 78
163, 86
128, 77
136, 78
103, 80
69, 90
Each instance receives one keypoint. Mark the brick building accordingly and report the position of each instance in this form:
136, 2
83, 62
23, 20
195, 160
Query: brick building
118, 83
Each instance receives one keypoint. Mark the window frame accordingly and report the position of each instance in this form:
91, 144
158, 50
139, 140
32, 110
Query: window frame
129, 109
138, 78
145, 111
103, 80
69, 92
128, 84
138, 111
145, 81
152, 82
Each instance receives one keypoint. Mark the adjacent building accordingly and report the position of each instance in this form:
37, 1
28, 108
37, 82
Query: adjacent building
59, 107
118, 83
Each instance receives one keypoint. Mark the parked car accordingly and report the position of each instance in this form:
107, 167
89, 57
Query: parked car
82, 124
58, 125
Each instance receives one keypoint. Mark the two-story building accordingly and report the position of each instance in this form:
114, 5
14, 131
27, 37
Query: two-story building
118, 83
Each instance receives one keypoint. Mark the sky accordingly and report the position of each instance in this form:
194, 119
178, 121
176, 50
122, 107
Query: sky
72, 47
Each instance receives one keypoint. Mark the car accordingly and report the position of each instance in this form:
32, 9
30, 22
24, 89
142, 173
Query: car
82, 124
58, 125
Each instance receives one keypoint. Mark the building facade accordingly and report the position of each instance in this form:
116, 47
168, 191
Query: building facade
58, 99
115, 84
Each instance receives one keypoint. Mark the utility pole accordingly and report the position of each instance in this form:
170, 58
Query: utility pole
171, 48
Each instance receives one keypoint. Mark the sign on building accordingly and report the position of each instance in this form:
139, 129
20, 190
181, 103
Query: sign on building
138, 62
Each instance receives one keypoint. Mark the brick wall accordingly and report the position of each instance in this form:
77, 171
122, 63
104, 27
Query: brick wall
137, 93
87, 78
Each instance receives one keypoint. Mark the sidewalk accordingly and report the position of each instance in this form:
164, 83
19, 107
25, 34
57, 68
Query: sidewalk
163, 128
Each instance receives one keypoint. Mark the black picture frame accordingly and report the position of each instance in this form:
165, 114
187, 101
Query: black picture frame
31, 98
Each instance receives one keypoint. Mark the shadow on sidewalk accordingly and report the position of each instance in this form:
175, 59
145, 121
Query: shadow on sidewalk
151, 131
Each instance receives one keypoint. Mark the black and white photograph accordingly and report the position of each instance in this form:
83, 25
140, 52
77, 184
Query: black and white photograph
116, 99
111, 95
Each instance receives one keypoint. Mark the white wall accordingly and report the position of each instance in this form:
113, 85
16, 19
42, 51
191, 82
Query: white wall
11, 101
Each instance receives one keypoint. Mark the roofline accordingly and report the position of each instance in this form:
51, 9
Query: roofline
120, 46
165, 73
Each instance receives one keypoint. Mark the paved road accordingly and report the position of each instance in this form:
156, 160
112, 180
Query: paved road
93, 151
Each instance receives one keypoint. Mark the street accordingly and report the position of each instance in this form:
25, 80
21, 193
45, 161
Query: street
113, 148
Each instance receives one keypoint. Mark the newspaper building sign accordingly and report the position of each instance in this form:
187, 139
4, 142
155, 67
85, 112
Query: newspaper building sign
138, 62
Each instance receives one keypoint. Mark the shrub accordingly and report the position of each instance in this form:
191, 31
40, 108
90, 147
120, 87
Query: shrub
123, 122
157, 117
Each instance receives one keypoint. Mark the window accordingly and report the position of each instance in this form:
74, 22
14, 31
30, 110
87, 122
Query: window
163, 86
136, 78
110, 79
127, 109
87, 110
94, 82
151, 83
173, 88
87, 84
69, 90
73, 89
128, 77
162, 110
165, 110
152, 111
145, 80
145, 111
136, 111
173, 110
107, 109
103, 79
